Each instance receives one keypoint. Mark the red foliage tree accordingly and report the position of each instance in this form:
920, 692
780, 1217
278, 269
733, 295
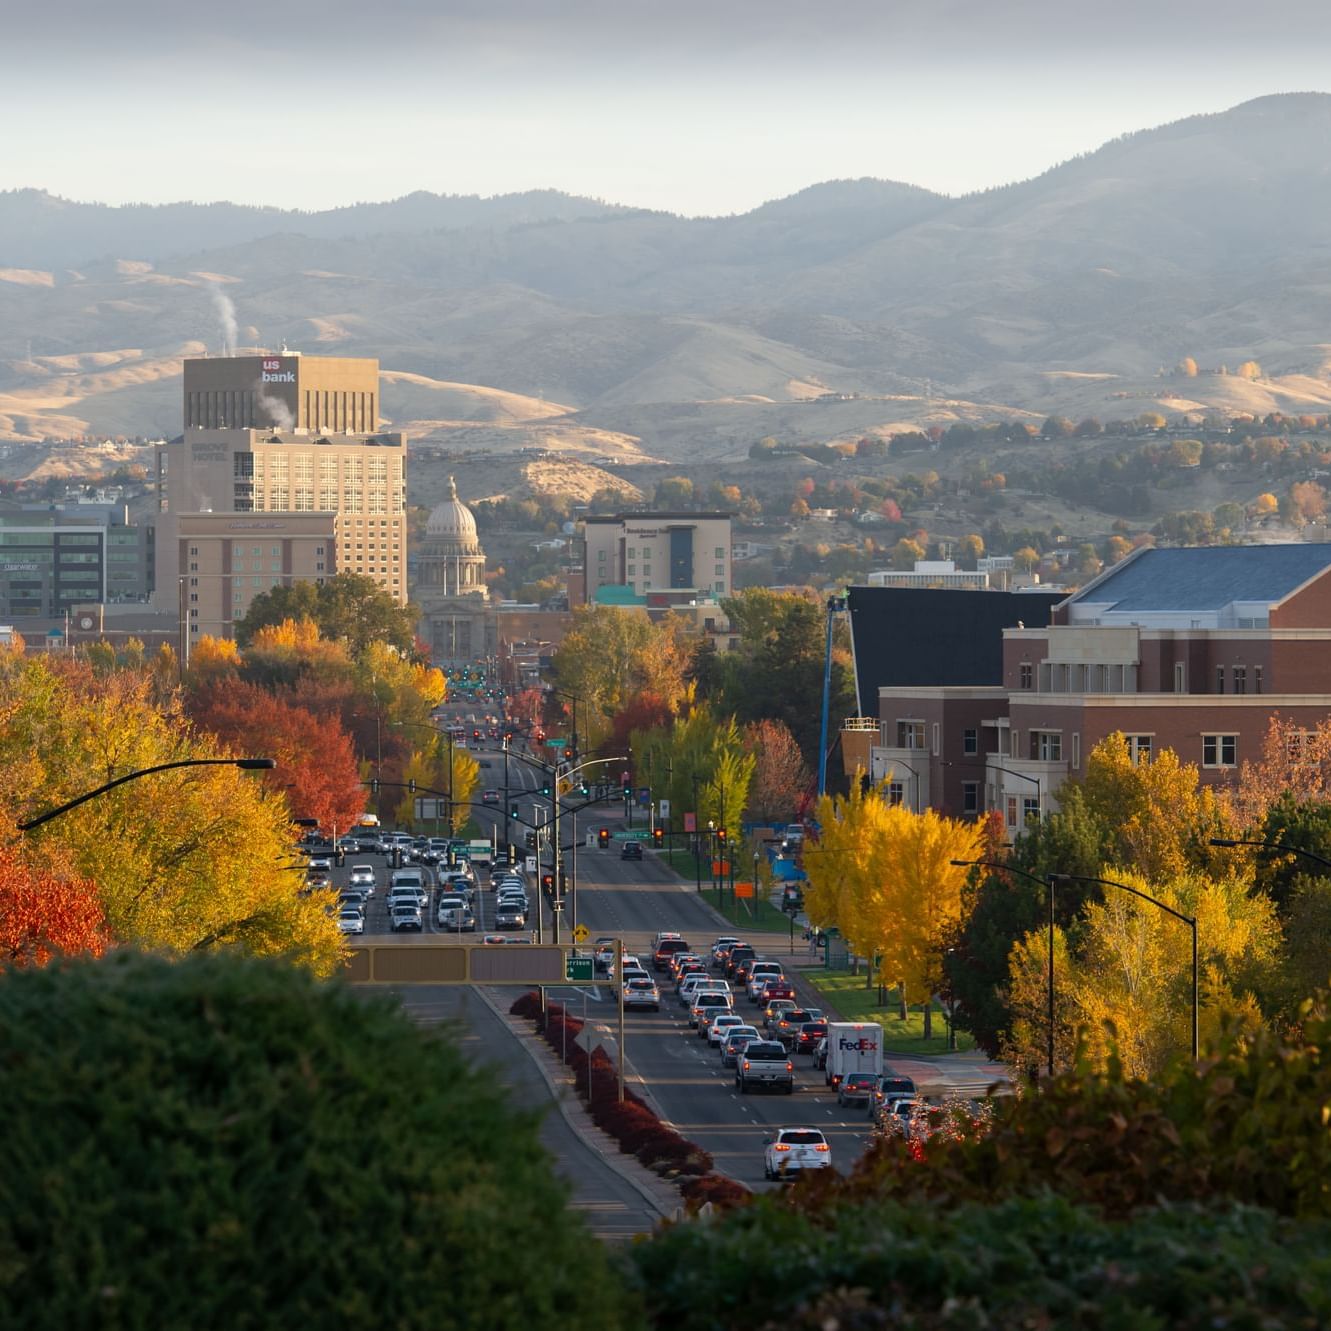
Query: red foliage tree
42, 915
645, 711
316, 765
780, 777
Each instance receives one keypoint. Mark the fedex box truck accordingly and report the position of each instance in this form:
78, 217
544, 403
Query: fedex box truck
853, 1046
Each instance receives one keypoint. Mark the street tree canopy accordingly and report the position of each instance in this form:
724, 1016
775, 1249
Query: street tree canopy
347, 607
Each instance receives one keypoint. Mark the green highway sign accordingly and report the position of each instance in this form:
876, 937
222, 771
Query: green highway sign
579, 970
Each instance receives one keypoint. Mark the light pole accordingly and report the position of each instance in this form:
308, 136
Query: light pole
447, 733
1280, 846
245, 765
915, 779
1048, 884
564, 693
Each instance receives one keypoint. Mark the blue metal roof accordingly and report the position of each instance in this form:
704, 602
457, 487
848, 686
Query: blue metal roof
1208, 578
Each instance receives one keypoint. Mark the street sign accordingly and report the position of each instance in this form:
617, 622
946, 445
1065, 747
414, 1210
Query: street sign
644, 796
663, 809
531, 863
579, 970
690, 822
581, 934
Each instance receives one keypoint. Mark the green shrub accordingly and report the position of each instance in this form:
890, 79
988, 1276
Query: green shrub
1038, 1262
221, 1142
1246, 1123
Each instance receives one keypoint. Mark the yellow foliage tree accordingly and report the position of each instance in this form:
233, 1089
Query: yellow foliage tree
1265, 504
1160, 815
1127, 984
883, 876
197, 857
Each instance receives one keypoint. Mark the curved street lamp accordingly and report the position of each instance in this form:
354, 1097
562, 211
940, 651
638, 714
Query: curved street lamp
245, 765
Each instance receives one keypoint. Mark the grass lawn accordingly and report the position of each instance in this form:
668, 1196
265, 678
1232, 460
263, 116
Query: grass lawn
756, 913
856, 1003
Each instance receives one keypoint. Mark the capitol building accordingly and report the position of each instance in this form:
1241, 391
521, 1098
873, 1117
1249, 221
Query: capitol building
457, 620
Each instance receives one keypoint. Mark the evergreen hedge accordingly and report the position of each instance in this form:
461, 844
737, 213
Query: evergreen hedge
226, 1142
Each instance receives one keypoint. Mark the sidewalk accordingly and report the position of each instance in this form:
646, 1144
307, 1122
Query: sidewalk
660, 1195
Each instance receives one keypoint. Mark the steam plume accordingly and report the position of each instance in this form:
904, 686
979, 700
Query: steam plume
226, 318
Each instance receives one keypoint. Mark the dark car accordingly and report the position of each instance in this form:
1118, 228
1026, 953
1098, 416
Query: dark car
632, 851
739, 954
887, 1087
808, 1035
788, 1024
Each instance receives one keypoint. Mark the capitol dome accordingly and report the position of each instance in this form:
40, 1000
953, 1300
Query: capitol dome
452, 520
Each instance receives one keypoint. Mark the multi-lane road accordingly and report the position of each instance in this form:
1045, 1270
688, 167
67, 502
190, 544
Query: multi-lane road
669, 1065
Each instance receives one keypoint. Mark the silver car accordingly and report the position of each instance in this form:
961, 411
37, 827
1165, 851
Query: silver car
735, 1041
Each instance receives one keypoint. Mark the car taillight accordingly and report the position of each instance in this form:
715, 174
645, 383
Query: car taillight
822, 1146
781, 1146
790, 1067
746, 1065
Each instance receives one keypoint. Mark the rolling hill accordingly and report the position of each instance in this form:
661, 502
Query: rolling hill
548, 319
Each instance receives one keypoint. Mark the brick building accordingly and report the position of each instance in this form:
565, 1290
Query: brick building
1192, 650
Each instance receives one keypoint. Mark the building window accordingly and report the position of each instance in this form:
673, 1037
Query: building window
970, 797
970, 742
1030, 810
896, 792
1257, 679
1180, 677
1076, 753
1026, 673
935, 739
1139, 748
910, 734
1220, 679
1013, 747
719, 587
1240, 679
720, 552
1012, 811
1047, 745
1220, 750
194, 596
194, 549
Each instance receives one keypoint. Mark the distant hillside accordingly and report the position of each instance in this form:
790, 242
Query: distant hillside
685, 337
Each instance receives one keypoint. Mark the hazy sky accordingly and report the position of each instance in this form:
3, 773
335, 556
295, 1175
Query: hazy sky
697, 106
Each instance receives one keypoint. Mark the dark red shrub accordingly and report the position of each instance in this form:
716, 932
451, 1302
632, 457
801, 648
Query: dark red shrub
723, 1193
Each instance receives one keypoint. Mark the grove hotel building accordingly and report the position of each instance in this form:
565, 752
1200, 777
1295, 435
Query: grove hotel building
306, 487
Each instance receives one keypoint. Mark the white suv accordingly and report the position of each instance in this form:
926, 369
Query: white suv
792, 1150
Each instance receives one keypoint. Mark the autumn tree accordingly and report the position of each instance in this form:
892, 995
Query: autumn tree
1124, 976
1187, 367
316, 763
906, 554
348, 607
185, 859
781, 780
884, 877
610, 656
1307, 501
44, 914
971, 548
673, 492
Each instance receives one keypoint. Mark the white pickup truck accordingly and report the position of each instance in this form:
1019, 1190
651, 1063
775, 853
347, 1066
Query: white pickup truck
765, 1063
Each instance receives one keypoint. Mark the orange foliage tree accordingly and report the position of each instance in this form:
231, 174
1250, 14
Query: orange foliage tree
316, 766
43, 915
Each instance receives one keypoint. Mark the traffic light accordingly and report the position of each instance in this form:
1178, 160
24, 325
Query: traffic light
627, 785
547, 882
374, 785
585, 790
530, 840
512, 853
513, 810
658, 837
721, 835
603, 837
545, 788
339, 857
